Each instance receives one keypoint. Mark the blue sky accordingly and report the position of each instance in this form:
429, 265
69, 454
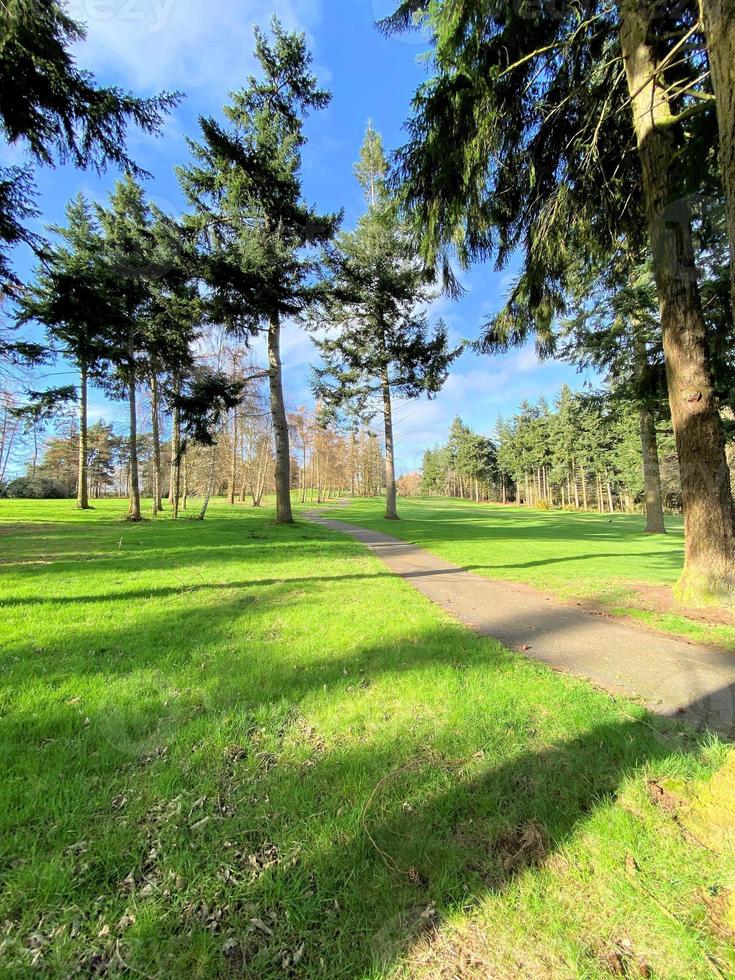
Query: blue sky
204, 48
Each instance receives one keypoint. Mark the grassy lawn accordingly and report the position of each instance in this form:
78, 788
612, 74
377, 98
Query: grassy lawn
234, 749
591, 557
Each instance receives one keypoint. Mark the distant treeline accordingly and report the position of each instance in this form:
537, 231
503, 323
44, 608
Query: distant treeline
583, 453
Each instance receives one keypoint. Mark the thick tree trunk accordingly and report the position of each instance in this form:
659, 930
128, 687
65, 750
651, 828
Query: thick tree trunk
718, 17
156, 427
280, 424
82, 478
134, 508
391, 510
185, 466
709, 566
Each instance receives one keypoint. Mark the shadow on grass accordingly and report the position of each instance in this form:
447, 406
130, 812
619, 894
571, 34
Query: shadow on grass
199, 796
346, 853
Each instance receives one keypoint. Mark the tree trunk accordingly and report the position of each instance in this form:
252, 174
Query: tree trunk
709, 564
353, 464
210, 483
175, 478
651, 473
233, 467
649, 442
185, 465
280, 424
391, 511
303, 474
155, 425
585, 500
134, 508
82, 478
718, 17
610, 498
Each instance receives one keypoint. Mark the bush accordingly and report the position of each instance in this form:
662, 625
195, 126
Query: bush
36, 488
543, 505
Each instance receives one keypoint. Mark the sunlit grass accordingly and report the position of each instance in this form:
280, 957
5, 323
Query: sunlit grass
230, 748
596, 558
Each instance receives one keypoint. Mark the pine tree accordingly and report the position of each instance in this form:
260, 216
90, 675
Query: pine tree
616, 329
559, 133
73, 296
127, 246
56, 110
245, 184
383, 343
718, 19
372, 168
171, 327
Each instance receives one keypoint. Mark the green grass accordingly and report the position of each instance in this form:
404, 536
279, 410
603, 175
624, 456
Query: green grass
235, 749
590, 557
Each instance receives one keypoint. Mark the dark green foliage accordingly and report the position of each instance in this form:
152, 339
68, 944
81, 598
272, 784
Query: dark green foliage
557, 455
376, 307
245, 184
465, 467
75, 293
175, 311
258, 237
205, 403
57, 111
17, 207
613, 327
55, 108
36, 488
522, 141
43, 406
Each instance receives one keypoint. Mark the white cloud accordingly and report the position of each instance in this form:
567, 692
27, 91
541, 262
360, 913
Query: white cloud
186, 44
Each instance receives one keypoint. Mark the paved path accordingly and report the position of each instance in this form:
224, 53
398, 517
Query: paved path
672, 677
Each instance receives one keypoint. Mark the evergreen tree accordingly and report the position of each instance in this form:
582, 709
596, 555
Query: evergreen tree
128, 245
104, 449
74, 298
245, 184
56, 110
383, 343
171, 328
718, 19
616, 329
372, 168
559, 132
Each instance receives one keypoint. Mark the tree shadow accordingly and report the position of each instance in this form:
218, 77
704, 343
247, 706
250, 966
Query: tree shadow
348, 851
329, 795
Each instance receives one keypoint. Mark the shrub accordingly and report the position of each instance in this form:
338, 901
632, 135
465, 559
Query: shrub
543, 505
36, 488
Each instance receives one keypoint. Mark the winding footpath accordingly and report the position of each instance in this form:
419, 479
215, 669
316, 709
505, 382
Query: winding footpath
671, 677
